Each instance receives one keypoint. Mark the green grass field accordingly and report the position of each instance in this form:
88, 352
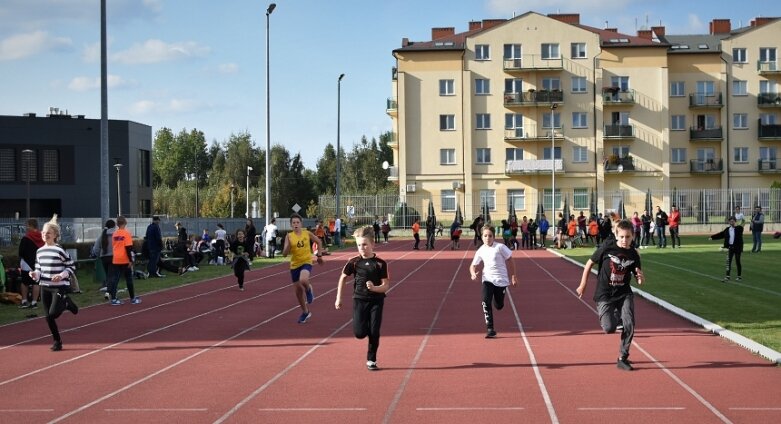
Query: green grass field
690, 278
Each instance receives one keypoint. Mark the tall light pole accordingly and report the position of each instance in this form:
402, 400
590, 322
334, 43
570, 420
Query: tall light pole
233, 188
267, 215
105, 183
249, 168
118, 166
338, 136
553, 162
27, 154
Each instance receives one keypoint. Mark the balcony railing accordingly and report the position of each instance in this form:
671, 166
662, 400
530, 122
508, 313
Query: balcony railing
768, 165
533, 62
767, 67
533, 98
620, 164
769, 132
706, 134
392, 106
533, 166
619, 131
706, 166
769, 100
706, 100
394, 73
614, 96
393, 173
393, 140
532, 133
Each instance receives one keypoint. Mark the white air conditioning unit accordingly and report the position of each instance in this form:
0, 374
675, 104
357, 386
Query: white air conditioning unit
458, 185
411, 188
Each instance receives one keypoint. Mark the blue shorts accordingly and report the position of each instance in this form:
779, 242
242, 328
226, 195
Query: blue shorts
296, 273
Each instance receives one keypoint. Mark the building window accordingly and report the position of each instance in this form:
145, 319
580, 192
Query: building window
578, 84
767, 153
482, 52
448, 200
482, 155
550, 51
483, 121
579, 120
767, 87
145, 207
740, 121
8, 166
580, 198
144, 169
548, 205
447, 122
546, 120
678, 155
513, 85
50, 166
678, 123
517, 198
621, 151
767, 119
447, 87
578, 50
546, 153
739, 87
488, 197
739, 56
513, 153
677, 89
447, 156
767, 55
551, 84
482, 86
580, 154
741, 155
621, 82
512, 51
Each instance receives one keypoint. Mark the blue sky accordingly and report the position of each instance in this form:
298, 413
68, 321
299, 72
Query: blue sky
202, 63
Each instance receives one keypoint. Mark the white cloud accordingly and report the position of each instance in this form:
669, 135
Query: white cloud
142, 107
155, 51
695, 25
29, 44
228, 68
87, 83
172, 106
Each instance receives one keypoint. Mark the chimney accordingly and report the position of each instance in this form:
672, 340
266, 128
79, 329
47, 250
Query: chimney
761, 21
567, 18
658, 30
645, 33
404, 42
473, 25
437, 33
720, 26
611, 30
488, 23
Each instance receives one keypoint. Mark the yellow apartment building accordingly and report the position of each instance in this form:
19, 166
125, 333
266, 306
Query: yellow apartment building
512, 111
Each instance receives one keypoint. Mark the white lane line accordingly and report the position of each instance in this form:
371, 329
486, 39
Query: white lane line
633, 408
403, 385
664, 369
533, 360
156, 409
476, 408
26, 410
312, 409
755, 409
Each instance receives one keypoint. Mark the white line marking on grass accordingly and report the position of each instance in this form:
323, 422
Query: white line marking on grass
634, 408
476, 408
731, 283
533, 360
672, 375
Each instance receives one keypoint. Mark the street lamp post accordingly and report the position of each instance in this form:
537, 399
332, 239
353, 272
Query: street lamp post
338, 136
233, 187
553, 162
249, 168
267, 214
27, 154
118, 166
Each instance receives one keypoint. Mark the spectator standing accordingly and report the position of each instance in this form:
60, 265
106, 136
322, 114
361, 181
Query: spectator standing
660, 220
647, 234
250, 232
740, 219
271, 232
154, 242
28, 247
544, 226
385, 228
431, 229
219, 243
582, 224
637, 228
376, 229
103, 249
674, 220
122, 242
416, 233
337, 231
757, 226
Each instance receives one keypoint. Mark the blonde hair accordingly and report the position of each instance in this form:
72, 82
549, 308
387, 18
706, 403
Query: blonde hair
366, 232
52, 224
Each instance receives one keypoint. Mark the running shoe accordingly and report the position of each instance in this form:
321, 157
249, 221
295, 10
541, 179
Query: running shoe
136, 300
490, 334
372, 365
624, 364
116, 302
738, 279
304, 317
56, 347
310, 294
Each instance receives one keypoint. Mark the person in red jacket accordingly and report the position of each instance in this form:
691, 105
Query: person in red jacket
674, 221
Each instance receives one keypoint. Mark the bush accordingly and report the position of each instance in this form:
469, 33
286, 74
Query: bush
404, 216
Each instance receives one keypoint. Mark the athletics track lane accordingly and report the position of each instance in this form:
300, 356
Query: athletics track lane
279, 371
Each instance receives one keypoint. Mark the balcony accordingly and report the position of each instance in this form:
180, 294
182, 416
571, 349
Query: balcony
533, 98
394, 73
769, 132
768, 68
532, 133
706, 101
706, 166
616, 164
393, 173
769, 100
614, 96
392, 107
768, 166
706, 134
533, 62
533, 166
393, 141
619, 132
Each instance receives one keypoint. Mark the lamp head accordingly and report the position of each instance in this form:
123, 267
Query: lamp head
341, 76
554, 106
271, 8
249, 168
385, 165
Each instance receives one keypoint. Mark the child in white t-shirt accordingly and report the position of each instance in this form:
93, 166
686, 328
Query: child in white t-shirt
498, 269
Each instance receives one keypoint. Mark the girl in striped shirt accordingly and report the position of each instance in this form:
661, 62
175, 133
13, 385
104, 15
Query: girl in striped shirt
54, 270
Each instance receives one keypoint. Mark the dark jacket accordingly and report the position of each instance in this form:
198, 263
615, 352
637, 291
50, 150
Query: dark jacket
154, 237
660, 219
737, 245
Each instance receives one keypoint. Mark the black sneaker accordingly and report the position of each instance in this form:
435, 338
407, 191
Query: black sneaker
738, 279
372, 365
725, 280
624, 364
490, 334
56, 347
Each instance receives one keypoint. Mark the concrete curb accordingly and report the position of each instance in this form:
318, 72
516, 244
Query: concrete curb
730, 335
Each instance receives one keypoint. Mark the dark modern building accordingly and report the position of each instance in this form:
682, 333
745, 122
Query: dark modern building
59, 155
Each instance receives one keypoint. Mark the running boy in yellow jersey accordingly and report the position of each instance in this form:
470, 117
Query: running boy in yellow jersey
298, 243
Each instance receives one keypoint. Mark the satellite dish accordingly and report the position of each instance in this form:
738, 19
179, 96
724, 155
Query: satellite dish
620, 168
385, 165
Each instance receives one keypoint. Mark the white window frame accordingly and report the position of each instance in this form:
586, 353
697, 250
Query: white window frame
677, 88
578, 51
512, 51
579, 120
620, 81
740, 155
546, 152
482, 86
740, 121
579, 84
767, 55
550, 51
580, 154
513, 153
517, 198
678, 155
447, 122
448, 198
483, 121
483, 156
767, 87
447, 156
546, 120
513, 85
739, 87
768, 153
678, 123
580, 197
767, 118
447, 87
482, 52
739, 55
553, 83
488, 197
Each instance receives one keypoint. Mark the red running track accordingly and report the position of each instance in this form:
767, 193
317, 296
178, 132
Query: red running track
208, 353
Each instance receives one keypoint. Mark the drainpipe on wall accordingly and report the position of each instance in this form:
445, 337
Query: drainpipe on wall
726, 123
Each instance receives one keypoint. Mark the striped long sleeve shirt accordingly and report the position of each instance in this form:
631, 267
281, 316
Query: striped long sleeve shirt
51, 261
